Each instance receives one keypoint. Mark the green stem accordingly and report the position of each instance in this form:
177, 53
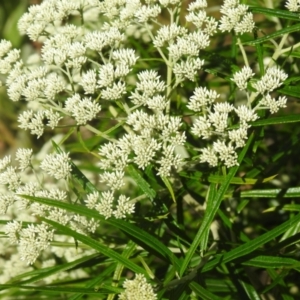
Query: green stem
243, 52
98, 132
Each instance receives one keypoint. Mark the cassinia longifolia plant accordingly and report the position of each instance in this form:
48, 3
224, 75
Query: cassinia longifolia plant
143, 68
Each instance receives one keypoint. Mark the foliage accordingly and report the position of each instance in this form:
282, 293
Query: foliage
164, 151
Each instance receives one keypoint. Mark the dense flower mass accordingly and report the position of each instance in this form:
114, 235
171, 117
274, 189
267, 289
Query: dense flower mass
138, 289
293, 5
96, 63
92, 79
235, 17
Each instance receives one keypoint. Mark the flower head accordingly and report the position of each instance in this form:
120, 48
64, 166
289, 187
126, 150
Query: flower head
137, 289
57, 165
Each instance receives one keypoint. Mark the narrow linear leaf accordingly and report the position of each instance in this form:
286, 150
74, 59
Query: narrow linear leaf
169, 186
250, 290
141, 182
235, 180
202, 292
278, 281
40, 274
210, 214
263, 261
239, 180
272, 193
127, 227
293, 91
77, 174
282, 14
220, 286
291, 207
95, 281
105, 289
260, 58
211, 194
277, 120
146, 238
276, 34
295, 54
251, 245
99, 247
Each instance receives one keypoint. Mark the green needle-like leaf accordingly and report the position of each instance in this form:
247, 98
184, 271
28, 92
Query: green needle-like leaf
251, 245
213, 208
99, 247
274, 35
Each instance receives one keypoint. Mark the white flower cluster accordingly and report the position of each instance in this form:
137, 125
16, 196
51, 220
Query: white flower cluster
104, 204
43, 19
235, 17
83, 110
9, 175
293, 5
153, 140
31, 240
198, 16
34, 121
11, 266
18, 181
94, 61
271, 80
7, 56
155, 136
242, 77
183, 49
214, 122
122, 13
88, 68
57, 165
137, 289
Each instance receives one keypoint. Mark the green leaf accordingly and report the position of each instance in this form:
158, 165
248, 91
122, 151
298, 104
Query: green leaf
139, 234
272, 193
277, 120
10, 29
146, 238
267, 262
141, 182
282, 14
78, 176
211, 194
214, 206
260, 58
99, 247
277, 280
97, 280
291, 232
295, 54
202, 292
225, 219
242, 205
293, 91
220, 286
40, 274
252, 245
291, 207
250, 290
239, 180
276, 34
104, 289
219, 178
169, 186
